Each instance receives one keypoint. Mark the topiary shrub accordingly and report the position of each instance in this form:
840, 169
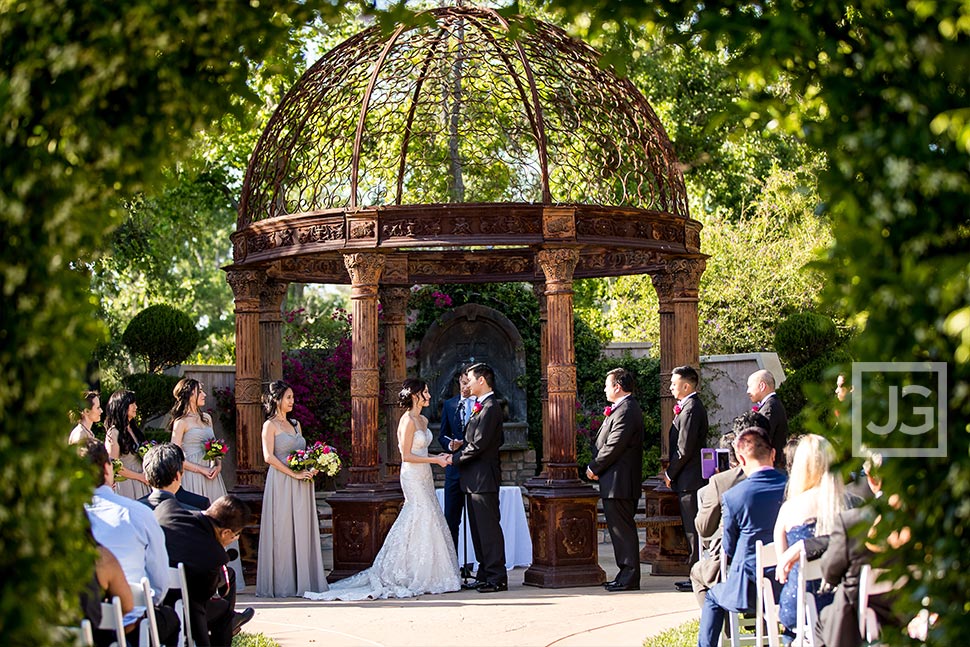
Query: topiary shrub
153, 392
803, 337
162, 336
792, 390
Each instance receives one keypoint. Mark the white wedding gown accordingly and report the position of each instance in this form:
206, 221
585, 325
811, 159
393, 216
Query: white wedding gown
418, 555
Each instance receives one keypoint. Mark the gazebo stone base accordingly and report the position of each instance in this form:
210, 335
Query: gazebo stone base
666, 546
562, 521
362, 517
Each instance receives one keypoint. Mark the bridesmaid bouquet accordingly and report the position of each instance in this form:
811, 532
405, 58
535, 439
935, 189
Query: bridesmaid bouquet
215, 449
117, 466
318, 456
144, 447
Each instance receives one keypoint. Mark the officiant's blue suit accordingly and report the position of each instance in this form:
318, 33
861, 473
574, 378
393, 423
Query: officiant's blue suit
454, 498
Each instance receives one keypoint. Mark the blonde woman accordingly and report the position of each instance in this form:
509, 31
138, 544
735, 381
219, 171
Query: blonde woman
87, 415
815, 496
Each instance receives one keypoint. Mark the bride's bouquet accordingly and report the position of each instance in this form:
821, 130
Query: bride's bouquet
144, 447
215, 449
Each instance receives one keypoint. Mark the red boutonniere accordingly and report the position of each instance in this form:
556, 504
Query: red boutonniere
476, 408
677, 409
756, 408
607, 411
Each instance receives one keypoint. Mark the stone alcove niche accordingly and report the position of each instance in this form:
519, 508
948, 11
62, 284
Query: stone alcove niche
459, 147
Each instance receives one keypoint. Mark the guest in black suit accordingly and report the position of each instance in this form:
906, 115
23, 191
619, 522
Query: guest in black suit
198, 539
480, 475
189, 500
618, 466
761, 390
455, 412
688, 434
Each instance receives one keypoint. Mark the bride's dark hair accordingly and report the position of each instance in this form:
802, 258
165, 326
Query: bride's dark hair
411, 387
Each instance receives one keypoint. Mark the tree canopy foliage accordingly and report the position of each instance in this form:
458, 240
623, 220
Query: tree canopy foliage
881, 87
95, 99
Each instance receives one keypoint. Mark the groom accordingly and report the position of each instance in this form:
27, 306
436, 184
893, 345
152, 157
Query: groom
480, 475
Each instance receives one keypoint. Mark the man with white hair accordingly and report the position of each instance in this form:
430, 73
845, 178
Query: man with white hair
761, 390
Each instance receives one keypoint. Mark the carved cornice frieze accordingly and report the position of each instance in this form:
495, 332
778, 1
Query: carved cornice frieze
425, 268
558, 265
271, 295
362, 230
320, 233
364, 268
621, 262
508, 224
410, 228
315, 270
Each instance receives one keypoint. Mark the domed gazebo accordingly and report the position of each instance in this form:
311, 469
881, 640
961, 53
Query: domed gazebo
462, 147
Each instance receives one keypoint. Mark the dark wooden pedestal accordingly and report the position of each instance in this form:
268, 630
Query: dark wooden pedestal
666, 546
562, 522
362, 518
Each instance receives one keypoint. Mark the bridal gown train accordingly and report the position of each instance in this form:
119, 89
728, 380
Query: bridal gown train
418, 555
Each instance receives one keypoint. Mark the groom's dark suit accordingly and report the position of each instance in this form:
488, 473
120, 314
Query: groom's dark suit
688, 434
618, 464
480, 475
454, 498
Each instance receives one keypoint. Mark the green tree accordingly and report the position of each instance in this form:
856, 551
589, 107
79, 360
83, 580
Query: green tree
880, 87
95, 98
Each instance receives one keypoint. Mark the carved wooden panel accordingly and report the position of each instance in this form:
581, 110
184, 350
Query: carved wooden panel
562, 379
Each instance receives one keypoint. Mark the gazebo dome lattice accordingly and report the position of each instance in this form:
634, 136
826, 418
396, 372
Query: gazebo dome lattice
463, 128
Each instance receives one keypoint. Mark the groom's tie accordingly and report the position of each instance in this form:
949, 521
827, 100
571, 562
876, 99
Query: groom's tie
463, 412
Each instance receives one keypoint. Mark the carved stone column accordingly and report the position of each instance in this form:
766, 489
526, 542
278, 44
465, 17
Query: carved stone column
394, 301
666, 547
539, 289
562, 508
364, 511
270, 329
250, 469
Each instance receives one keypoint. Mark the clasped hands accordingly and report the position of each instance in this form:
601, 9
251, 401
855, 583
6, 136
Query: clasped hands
444, 460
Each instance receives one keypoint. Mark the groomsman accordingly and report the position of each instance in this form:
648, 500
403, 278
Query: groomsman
480, 474
618, 466
688, 434
455, 414
761, 390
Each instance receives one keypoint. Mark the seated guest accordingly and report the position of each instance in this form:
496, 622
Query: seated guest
842, 562
107, 581
707, 571
749, 511
199, 540
814, 498
160, 492
129, 530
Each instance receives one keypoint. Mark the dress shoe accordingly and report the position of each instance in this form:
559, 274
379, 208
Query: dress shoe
609, 584
632, 586
493, 587
241, 618
465, 572
684, 586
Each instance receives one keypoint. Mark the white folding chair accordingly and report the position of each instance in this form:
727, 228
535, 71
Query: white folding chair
765, 558
148, 631
113, 619
806, 614
868, 623
770, 607
80, 636
179, 581
753, 627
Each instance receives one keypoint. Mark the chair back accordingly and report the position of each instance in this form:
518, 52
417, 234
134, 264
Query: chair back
806, 612
113, 619
148, 631
180, 581
765, 558
80, 636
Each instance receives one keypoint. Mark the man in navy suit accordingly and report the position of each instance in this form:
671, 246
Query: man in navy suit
749, 511
480, 474
761, 390
455, 413
618, 466
688, 434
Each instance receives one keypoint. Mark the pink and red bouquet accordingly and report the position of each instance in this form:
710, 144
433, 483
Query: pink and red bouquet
318, 456
215, 449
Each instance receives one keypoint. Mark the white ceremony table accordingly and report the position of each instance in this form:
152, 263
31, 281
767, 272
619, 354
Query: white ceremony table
515, 527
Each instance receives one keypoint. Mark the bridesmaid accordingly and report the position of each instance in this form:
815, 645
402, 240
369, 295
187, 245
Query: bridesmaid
121, 439
88, 415
290, 559
191, 428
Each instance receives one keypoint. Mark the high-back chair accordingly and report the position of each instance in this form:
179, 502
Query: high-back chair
148, 631
766, 612
113, 619
806, 614
179, 581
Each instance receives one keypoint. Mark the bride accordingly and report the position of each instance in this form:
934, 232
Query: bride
418, 555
